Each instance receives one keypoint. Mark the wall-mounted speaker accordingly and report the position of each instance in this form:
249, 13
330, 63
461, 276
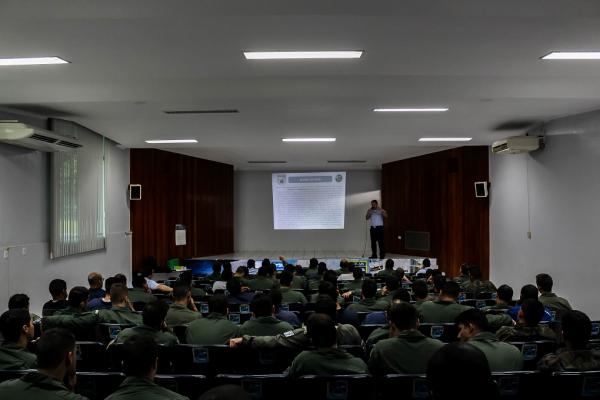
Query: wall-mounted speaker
135, 192
481, 189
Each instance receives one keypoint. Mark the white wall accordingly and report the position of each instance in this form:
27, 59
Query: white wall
24, 227
564, 188
253, 216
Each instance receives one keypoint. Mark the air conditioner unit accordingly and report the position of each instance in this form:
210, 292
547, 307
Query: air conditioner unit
516, 145
20, 134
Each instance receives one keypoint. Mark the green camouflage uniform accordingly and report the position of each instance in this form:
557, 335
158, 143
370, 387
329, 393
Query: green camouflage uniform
291, 296
571, 360
555, 303
368, 305
36, 386
162, 338
214, 329
461, 279
299, 282
522, 333
501, 356
440, 311
179, 314
263, 283
298, 338
377, 335
264, 326
13, 357
134, 388
407, 353
478, 286
326, 361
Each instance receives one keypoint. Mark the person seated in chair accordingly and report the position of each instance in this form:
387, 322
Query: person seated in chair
283, 315
388, 269
58, 291
473, 327
56, 362
550, 300
464, 275
104, 302
154, 325
183, 309
407, 350
264, 322
576, 355
504, 295
420, 292
17, 330
528, 327
78, 298
238, 294
140, 292
444, 310
140, 363
21, 301
95, 280
368, 302
215, 328
264, 278
528, 292
327, 358
289, 295
475, 284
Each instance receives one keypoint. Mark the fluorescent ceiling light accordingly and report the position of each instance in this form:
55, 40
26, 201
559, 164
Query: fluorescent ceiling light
163, 141
299, 55
572, 55
323, 139
445, 139
31, 61
440, 109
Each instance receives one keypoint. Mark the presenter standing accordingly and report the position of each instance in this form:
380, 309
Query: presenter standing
376, 215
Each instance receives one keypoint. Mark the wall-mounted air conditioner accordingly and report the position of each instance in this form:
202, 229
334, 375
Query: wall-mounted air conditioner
24, 135
516, 145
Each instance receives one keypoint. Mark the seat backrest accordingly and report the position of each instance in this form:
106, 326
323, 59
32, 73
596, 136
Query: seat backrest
116, 356
6, 375
267, 387
98, 385
179, 331
107, 332
208, 360
576, 385
403, 386
190, 386
519, 384
91, 356
533, 351
445, 332
366, 330
337, 387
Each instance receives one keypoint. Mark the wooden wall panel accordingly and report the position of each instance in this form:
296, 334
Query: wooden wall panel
178, 189
435, 193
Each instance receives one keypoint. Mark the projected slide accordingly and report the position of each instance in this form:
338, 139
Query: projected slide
313, 200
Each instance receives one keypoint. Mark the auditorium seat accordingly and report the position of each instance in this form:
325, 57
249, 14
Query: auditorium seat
267, 387
576, 385
402, 386
533, 351
115, 358
7, 375
295, 307
445, 332
269, 361
91, 356
209, 360
107, 332
519, 385
138, 305
179, 331
98, 385
191, 386
595, 330
478, 303
338, 387
366, 330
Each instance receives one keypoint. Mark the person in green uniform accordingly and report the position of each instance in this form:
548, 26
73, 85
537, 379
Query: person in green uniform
78, 296
264, 278
407, 350
576, 355
464, 275
550, 300
140, 292
528, 327
368, 302
420, 292
353, 288
473, 327
140, 362
289, 295
215, 328
392, 285
21, 301
121, 311
263, 322
504, 295
17, 330
444, 310
183, 309
154, 325
298, 338
327, 358
475, 284
388, 269
56, 365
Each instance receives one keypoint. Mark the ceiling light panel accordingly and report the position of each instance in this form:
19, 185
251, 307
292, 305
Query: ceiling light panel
169, 141
9, 62
445, 139
572, 55
302, 55
324, 139
410, 110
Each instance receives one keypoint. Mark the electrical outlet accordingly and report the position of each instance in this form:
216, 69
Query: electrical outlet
24, 251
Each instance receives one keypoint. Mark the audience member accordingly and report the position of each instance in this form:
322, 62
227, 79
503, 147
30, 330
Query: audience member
226, 275
58, 291
473, 327
183, 309
527, 292
140, 362
154, 326
528, 327
426, 266
243, 274
327, 358
312, 273
388, 269
550, 300
17, 330
464, 275
283, 315
289, 295
264, 279
77, 301
475, 284
121, 279
104, 302
407, 350
56, 362
451, 365
147, 272
420, 292
215, 328
121, 311
368, 302
95, 281
21, 301
140, 292
263, 322
236, 295
576, 355
187, 278
392, 284
444, 310
504, 295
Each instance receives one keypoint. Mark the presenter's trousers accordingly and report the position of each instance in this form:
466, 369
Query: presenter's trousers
377, 236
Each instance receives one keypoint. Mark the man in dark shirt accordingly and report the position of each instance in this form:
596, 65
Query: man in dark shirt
21, 301
528, 327
95, 281
56, 365
550, 300
104, 302
58, 291
17, 331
